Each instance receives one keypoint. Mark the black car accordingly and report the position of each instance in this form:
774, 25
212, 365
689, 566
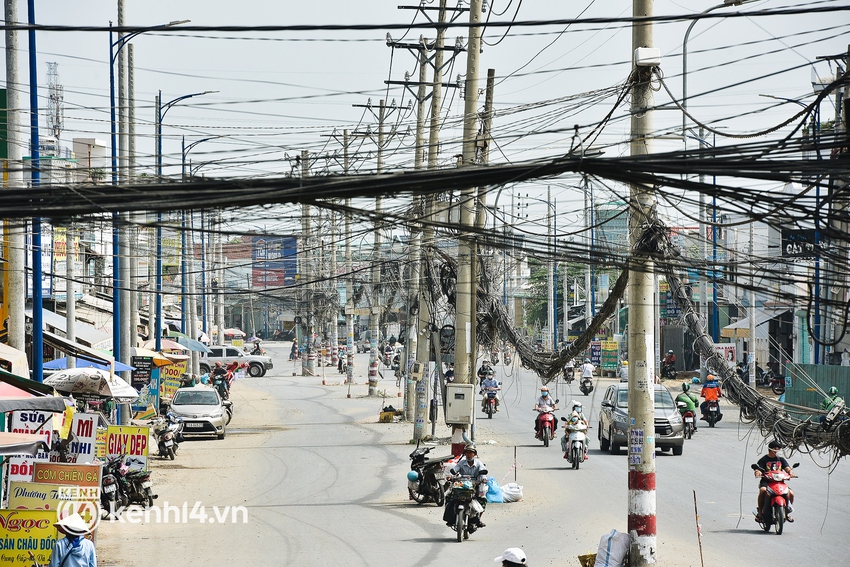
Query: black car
614, 418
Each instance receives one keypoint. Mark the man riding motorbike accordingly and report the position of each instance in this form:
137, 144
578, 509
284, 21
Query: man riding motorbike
489, 382
689, 399
669, 358
258, 350
544, 403
771, 462
469, 466
711, 392
587, 369
484, 371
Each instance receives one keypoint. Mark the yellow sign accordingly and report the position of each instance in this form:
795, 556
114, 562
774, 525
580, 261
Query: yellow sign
37, 495
170, 377
24, 533
131, 441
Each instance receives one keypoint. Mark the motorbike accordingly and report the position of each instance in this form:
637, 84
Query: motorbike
586, 385
426, 479
712, 412
688, 418
546, 426
136, 485
111, 492
776, 506
490, 401
467, 508
574, 442
507, 358
168, 432
494, 357
569, 374
776, 383
668, 370
220, 384
228, 408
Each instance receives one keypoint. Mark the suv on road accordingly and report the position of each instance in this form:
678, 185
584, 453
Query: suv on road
614, 417
258, 364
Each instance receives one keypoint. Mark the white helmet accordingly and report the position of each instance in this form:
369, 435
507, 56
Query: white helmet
577, 405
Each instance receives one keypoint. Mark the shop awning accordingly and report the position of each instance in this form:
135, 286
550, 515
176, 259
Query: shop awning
76, 349
86, 334
44, 403
741, 328
21, 443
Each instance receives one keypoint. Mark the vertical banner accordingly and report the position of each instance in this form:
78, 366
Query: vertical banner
81, 448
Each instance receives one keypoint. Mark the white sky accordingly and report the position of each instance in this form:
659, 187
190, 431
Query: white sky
270, 102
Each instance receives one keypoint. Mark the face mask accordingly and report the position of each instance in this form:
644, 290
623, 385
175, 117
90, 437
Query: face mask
544, 394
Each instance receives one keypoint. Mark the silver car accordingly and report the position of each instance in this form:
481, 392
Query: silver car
202, 411
614, 416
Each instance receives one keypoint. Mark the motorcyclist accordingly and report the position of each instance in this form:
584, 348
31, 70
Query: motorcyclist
689, 399
831, 398
544, 403
711, 392
257, 349
570, 370
489, 382
624, 371
388, 354
669, 358
771, 462
484, 371
577, 415
473, 468
587, 369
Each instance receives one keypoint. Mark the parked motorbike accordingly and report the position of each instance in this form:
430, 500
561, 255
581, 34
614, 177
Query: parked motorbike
776, 383
547, 426
137, 486
168, 431
490, 401
574, 442
426, 479
668, 370
688, 418
776, 507
112, 495
586, 385
712, 412
467, 508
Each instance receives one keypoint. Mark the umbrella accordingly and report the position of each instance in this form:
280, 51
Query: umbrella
192, 344
159, 359
62, 364
234, 333
252, 339
91, 381
166, 345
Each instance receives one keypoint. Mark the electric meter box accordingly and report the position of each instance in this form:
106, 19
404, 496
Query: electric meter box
460, 403
416, 372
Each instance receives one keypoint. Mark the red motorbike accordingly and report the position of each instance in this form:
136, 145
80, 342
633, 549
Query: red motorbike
546, 426
776, 506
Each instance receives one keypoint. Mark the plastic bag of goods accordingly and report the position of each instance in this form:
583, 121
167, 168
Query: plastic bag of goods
511, 492
494, 491
613, 550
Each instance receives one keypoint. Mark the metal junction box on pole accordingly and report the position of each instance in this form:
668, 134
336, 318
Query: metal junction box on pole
460, 403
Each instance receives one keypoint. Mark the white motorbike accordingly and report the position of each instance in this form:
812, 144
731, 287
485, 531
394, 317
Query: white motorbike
574, 442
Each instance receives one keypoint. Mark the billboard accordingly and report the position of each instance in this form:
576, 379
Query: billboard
274, 261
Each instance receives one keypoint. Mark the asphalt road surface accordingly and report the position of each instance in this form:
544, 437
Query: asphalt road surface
317, 481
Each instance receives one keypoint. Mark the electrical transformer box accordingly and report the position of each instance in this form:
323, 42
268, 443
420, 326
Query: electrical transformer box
460, 403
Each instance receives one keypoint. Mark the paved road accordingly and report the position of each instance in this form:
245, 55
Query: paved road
323, 483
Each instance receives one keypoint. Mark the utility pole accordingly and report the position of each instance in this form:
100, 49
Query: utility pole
307, 361
752, 319
16, 229
349, 281
550, 274
641, 462
70, 299
219, 298
123, 315
133, 274
465, 278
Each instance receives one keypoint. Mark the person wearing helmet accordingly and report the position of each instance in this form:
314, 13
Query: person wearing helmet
489, 384
484, 371
771, 462
830, 400
468, 466
689, 399
577, 415
570, 370
544, 403
711, 392
587, 369
624, 371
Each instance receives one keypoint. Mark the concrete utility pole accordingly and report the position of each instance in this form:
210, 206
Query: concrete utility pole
550, 275
465, 278
375, 303
135, 218
349, 269
16, 229
308, 367
122, 353
752, 301
70, 299
221, 272
641, 521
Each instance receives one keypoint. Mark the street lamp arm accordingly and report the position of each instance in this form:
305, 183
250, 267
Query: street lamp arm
167, 106
123, 40
188, 148
782, 98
